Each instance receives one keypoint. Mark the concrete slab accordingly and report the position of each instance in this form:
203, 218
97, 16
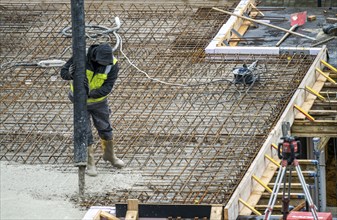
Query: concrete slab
43, 192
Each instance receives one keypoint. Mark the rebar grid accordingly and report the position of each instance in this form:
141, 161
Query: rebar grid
191, 144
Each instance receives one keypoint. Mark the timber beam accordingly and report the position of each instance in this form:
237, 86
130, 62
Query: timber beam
317, 128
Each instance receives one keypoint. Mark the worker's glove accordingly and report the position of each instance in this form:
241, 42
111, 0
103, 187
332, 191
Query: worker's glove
72, 70
93, 94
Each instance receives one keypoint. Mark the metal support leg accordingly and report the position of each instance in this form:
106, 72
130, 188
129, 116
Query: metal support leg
273, 196
286, 199
312, 206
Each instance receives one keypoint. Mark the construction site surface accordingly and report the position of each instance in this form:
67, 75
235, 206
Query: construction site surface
187, 133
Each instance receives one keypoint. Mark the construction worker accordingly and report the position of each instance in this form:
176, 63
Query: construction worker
102, 72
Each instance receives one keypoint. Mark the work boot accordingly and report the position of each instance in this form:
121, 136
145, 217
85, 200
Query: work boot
109, 154
91, 167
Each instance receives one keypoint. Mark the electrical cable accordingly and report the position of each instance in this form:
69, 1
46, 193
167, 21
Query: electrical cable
104, 31
20, 63
163, 82
236, 91
36, 63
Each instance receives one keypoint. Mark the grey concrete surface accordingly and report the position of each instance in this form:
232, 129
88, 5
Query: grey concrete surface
43, 192
281, 17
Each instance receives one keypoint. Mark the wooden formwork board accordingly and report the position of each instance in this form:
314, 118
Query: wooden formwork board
232, 23
260, 164
311, 98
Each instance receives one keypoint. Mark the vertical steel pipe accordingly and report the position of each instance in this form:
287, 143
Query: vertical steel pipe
80, 96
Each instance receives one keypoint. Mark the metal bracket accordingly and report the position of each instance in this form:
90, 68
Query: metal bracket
236, 33
225, 42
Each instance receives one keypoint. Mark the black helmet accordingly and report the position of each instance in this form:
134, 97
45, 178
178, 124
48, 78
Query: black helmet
103, 54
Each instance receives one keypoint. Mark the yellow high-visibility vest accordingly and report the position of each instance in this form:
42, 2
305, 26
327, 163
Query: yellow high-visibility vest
96, 81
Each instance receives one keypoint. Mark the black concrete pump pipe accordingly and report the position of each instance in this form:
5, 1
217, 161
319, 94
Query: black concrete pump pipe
80, 96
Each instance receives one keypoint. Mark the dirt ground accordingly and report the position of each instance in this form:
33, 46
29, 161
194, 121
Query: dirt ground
44, 192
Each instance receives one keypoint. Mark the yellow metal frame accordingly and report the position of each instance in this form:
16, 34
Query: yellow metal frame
262, 184
272, 160
250, 207
326, 76
304, 113
315, 93
329, 66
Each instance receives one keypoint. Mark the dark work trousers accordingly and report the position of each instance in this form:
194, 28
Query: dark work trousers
99, 113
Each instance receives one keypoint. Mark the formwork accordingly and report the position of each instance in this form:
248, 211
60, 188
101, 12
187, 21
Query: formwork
191, 136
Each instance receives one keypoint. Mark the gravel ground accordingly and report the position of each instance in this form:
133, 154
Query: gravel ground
44, 192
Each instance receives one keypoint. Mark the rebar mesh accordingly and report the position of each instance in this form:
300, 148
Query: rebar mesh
191, 144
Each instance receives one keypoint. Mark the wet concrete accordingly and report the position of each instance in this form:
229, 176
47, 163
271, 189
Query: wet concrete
33, 192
